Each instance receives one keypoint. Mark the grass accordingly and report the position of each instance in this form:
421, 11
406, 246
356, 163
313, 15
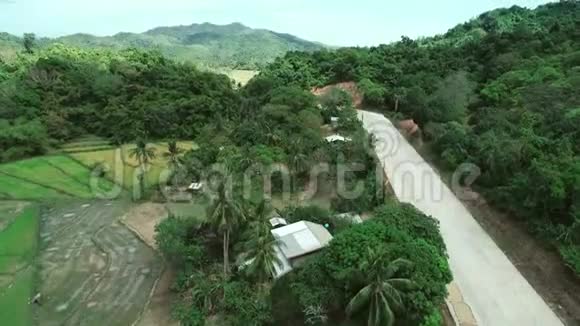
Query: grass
47, 177
17, 240
14, 307
123, 169
13, 188
196, 210
242, 76
9, 210
18, 249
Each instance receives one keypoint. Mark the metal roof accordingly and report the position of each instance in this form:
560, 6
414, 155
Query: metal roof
301, 238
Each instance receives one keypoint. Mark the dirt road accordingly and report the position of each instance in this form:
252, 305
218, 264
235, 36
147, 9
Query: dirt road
494, 289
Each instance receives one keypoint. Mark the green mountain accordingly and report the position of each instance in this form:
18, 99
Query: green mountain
233, 45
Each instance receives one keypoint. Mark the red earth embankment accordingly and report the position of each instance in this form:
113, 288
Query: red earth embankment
349, 87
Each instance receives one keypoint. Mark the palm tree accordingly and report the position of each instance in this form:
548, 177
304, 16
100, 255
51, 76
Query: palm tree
173, 156
382, 293
225, 214
260, 245
297, 161
260, 249
144, 155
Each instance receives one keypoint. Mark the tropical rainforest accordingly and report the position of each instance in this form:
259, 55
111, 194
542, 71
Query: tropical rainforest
500, 91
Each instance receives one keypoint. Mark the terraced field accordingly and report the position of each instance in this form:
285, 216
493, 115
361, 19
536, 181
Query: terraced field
51, 177
19, 224
88, 268
124, 169
93, 270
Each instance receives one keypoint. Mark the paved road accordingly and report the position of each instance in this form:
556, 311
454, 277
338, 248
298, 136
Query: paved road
497, 293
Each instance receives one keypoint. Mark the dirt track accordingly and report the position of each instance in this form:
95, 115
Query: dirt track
495, 290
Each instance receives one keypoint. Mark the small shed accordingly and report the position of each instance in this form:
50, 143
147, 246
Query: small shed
334, 122
195, 186
336, 137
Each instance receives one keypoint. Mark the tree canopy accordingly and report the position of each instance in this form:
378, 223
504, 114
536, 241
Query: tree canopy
500, 91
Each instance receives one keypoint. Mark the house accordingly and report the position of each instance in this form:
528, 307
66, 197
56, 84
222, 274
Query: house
296, 242
336, 137
278, 222
195, 186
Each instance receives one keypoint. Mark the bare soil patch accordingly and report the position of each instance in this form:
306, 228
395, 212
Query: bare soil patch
349, 87
159, 310
143, 219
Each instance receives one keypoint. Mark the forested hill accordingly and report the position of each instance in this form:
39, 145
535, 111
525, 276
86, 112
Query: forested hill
233, 45
61, 93
500, 91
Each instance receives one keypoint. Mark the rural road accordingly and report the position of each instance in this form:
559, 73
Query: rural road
494, 289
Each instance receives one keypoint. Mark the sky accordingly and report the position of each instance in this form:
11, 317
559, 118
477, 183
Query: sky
333, 22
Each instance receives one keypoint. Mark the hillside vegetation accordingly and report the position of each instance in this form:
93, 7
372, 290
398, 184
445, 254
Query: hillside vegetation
500, 91
64, 93
207, 45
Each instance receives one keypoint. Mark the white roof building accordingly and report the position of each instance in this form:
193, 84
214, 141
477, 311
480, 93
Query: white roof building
296, 241
278, 221
195, 186
334, 138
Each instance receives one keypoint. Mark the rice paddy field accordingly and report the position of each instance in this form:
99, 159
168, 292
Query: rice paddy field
93, 269
61, 237
19, 229
50, 177
124, 169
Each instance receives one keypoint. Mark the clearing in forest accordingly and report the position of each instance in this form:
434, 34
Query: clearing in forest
123, 169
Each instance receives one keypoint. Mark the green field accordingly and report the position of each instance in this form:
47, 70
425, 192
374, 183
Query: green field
241, 76
124, 169
18, 251
49, 177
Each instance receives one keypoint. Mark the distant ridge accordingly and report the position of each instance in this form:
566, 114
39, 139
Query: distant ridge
233, 45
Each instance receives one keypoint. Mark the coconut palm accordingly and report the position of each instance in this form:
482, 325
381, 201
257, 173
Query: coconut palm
225, 213
173, 157
382, 294
260, 251
173, 154
297, 161
144, 154
260, 244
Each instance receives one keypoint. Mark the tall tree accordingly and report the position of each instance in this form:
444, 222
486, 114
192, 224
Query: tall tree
144, 155
382, 294
173, 156
298, 161
259, 246
29, 42
225, 214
